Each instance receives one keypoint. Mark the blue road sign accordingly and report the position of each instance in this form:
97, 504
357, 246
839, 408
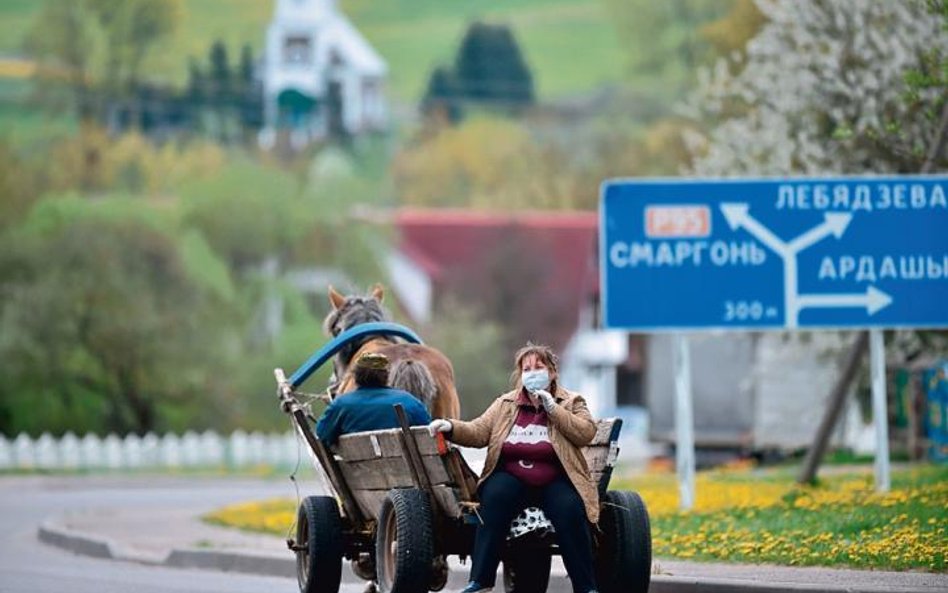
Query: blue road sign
849, 252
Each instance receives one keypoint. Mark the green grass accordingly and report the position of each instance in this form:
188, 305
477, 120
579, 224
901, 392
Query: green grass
21, 123
570, 44
16, 17
761, 517
767, 518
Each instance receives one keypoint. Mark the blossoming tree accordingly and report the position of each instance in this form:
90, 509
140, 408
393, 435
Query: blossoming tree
828, 86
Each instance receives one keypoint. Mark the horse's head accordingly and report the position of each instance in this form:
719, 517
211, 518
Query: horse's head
350, 311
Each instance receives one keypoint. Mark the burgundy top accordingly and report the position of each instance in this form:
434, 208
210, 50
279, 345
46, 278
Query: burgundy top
527, 453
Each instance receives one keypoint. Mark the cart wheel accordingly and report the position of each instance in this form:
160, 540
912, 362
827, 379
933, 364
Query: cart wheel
624, 559
527, 571
319, 537
404, 542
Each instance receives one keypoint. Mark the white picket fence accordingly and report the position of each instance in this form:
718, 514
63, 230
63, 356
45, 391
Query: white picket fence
207, 449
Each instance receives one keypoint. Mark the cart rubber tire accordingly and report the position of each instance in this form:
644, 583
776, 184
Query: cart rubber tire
527, 571
404, 542
624, 558
319, 532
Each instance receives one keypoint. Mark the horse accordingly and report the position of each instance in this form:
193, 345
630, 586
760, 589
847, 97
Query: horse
420, 370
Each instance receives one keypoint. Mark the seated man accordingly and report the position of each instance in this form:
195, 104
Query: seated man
369, 407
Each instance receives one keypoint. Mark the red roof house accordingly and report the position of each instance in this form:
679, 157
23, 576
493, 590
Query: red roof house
531, 271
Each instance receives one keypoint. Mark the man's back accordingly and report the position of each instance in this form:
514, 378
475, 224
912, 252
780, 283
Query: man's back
368, 408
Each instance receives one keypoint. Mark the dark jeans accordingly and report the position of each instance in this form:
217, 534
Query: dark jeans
502, 498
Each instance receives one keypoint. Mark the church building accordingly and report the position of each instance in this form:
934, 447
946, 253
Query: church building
320, 76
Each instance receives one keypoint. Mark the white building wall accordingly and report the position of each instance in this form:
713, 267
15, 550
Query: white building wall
329, 31
760, 391
411, 284
589, 366
794, 374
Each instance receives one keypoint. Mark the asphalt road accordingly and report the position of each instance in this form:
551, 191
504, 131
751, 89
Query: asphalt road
27, 565
149, 511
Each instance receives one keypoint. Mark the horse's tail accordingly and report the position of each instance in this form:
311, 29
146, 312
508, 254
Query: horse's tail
415, 378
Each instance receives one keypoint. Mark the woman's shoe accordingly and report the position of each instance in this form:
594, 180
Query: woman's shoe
475, 587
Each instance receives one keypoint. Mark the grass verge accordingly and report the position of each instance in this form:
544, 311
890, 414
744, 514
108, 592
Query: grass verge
761, 517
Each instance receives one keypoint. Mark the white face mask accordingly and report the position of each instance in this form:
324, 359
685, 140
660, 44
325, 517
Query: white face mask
534, 380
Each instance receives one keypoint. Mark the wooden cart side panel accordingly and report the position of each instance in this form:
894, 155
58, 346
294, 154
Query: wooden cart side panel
603, 432
373, 463
385, 443
389, 472
382, 443
596, 457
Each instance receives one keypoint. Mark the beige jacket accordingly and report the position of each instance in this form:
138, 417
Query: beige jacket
571, 428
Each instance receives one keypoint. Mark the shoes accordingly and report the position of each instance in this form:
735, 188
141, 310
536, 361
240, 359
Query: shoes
475, 587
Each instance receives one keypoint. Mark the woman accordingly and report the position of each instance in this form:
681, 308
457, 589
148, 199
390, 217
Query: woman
533, 436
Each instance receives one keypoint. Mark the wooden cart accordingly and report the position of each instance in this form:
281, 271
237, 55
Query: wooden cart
404, 501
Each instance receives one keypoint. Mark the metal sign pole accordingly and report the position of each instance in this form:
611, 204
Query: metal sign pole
880, 414
684, 424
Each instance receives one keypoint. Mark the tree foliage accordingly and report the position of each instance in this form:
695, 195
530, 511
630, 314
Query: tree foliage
247, 212
131, 28
97, 45
662, 39
476, 347
823, 91
489, 71
496, 163
729, 34
104, 323
135, 302
490, 67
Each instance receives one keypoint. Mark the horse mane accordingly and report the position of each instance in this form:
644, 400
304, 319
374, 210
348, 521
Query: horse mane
355, 311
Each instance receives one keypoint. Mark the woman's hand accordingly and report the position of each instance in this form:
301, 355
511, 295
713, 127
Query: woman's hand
439, 425
546, 400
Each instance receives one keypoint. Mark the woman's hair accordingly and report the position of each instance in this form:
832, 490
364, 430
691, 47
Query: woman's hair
371, 370
546, 356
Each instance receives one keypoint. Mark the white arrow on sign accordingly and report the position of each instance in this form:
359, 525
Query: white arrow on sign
834, 223
874, 300
737, 215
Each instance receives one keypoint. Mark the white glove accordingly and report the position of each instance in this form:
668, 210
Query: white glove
439, 425
545, 399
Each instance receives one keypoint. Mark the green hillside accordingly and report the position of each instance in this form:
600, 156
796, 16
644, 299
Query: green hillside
570, 44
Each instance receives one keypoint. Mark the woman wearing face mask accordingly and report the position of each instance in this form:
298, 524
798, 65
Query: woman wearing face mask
533, 436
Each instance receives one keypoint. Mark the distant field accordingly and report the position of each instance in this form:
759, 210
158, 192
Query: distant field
20, 121
570, 44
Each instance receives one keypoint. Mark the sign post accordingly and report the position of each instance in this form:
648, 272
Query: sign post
880, 416
775, 254
684, 424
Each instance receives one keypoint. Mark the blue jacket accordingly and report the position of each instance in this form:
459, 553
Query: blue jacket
368, 408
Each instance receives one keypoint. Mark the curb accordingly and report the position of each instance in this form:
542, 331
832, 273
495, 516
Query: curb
234, 562
670, 584
103, 548
271, 565
74, 542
